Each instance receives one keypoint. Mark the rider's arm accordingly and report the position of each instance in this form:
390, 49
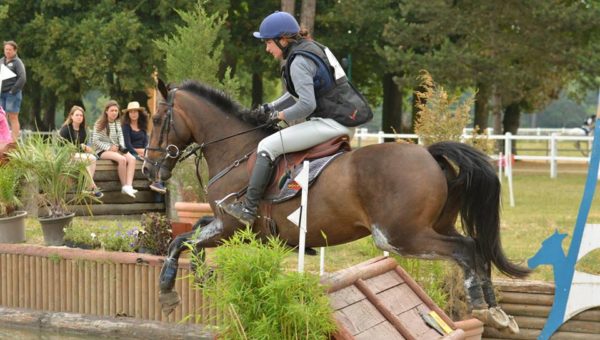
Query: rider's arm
283, 102
302, 72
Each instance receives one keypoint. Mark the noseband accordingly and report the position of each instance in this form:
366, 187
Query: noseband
171, 150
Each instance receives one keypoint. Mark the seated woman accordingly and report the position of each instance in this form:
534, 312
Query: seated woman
74, 131
135, 134
108, 141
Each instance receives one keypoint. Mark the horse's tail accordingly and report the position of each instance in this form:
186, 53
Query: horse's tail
477, 187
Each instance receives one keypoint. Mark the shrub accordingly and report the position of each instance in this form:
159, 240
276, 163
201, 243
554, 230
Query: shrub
440, 117
259, 299
154, 235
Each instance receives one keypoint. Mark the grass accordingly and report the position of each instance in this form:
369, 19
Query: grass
543, 205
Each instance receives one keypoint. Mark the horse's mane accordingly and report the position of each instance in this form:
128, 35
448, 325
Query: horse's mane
220, 99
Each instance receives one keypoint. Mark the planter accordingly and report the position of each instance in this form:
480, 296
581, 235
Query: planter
191, 212
178, 228
12, 228
53, 229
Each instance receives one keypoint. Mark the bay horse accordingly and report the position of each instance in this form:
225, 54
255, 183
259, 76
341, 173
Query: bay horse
407, 197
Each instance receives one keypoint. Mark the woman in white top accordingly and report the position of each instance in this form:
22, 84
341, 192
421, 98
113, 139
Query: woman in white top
108, 141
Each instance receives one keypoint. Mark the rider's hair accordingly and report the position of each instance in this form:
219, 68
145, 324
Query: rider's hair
304, 33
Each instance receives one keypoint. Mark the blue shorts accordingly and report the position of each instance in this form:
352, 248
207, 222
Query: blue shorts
11, 102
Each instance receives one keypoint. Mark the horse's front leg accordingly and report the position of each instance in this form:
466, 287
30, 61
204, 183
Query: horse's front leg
207, 237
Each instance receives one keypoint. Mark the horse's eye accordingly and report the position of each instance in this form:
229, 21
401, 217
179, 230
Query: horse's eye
156, 121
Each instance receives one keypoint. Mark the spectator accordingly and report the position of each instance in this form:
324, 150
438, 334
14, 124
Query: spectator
74, 131
107, 139
5, 137
12, 87
135, 133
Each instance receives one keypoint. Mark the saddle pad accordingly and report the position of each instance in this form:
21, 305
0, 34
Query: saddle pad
290, 188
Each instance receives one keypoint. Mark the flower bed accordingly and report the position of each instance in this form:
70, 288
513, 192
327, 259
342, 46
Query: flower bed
151, 233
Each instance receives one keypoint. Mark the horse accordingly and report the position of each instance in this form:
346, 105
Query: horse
586, 129
407, 197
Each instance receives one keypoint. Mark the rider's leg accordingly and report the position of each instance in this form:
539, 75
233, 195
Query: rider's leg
246, 210
294, 138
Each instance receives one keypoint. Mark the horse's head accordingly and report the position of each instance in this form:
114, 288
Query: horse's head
170, 136
551, 251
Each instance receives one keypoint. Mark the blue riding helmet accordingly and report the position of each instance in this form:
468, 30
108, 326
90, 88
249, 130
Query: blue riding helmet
277, 25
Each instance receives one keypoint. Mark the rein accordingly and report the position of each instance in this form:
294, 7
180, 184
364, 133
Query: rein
172, 151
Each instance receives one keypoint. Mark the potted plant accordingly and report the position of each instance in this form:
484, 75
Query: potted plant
190, 203
60, 178
12, 221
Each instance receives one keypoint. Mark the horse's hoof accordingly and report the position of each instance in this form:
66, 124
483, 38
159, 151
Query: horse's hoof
513, 327
168, 301
480, 314
497, 318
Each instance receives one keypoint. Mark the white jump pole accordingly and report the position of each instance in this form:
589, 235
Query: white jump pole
508, 157
322, 262
298, 217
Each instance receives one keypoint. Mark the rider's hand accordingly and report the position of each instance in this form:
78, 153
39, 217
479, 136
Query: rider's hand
262, 113
274, 117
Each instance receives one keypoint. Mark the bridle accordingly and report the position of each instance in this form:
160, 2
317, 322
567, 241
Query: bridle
172, 151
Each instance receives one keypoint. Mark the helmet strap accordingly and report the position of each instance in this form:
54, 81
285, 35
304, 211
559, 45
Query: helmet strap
276, 41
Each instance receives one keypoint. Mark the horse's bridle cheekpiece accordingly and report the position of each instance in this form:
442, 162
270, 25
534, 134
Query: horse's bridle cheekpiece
171, 150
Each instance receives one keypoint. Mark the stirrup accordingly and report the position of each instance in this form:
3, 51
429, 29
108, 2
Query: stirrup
240, 212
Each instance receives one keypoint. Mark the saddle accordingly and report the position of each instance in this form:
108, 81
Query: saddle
290, 164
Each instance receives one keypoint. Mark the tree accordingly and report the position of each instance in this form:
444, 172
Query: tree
195, 50
354, 28
521, 53
73, 46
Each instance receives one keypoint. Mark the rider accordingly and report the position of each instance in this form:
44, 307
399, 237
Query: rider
319, 99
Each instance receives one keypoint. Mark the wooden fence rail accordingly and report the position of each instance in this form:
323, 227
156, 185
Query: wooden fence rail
530, 303
94, 282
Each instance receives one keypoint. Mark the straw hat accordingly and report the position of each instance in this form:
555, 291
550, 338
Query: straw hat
134, 106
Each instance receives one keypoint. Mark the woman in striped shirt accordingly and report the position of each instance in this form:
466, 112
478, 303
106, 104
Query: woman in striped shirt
108, 141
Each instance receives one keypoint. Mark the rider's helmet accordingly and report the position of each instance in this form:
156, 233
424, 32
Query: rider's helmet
276, 25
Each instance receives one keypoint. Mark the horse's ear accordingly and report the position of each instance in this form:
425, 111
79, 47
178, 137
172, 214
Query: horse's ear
162, 88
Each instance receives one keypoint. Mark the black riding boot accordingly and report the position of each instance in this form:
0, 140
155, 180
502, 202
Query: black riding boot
246, 210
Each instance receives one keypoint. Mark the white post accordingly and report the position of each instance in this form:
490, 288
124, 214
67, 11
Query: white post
501, 164
322, 262
299, 216
508, 157
380, 138
553, 154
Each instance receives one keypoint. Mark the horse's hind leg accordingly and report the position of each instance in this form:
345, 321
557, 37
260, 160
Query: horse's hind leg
430, 245
494, 316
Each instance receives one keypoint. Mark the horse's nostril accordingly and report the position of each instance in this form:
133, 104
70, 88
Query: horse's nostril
144, 171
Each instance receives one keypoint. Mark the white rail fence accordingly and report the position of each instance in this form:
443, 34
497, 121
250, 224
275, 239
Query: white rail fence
363, 137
